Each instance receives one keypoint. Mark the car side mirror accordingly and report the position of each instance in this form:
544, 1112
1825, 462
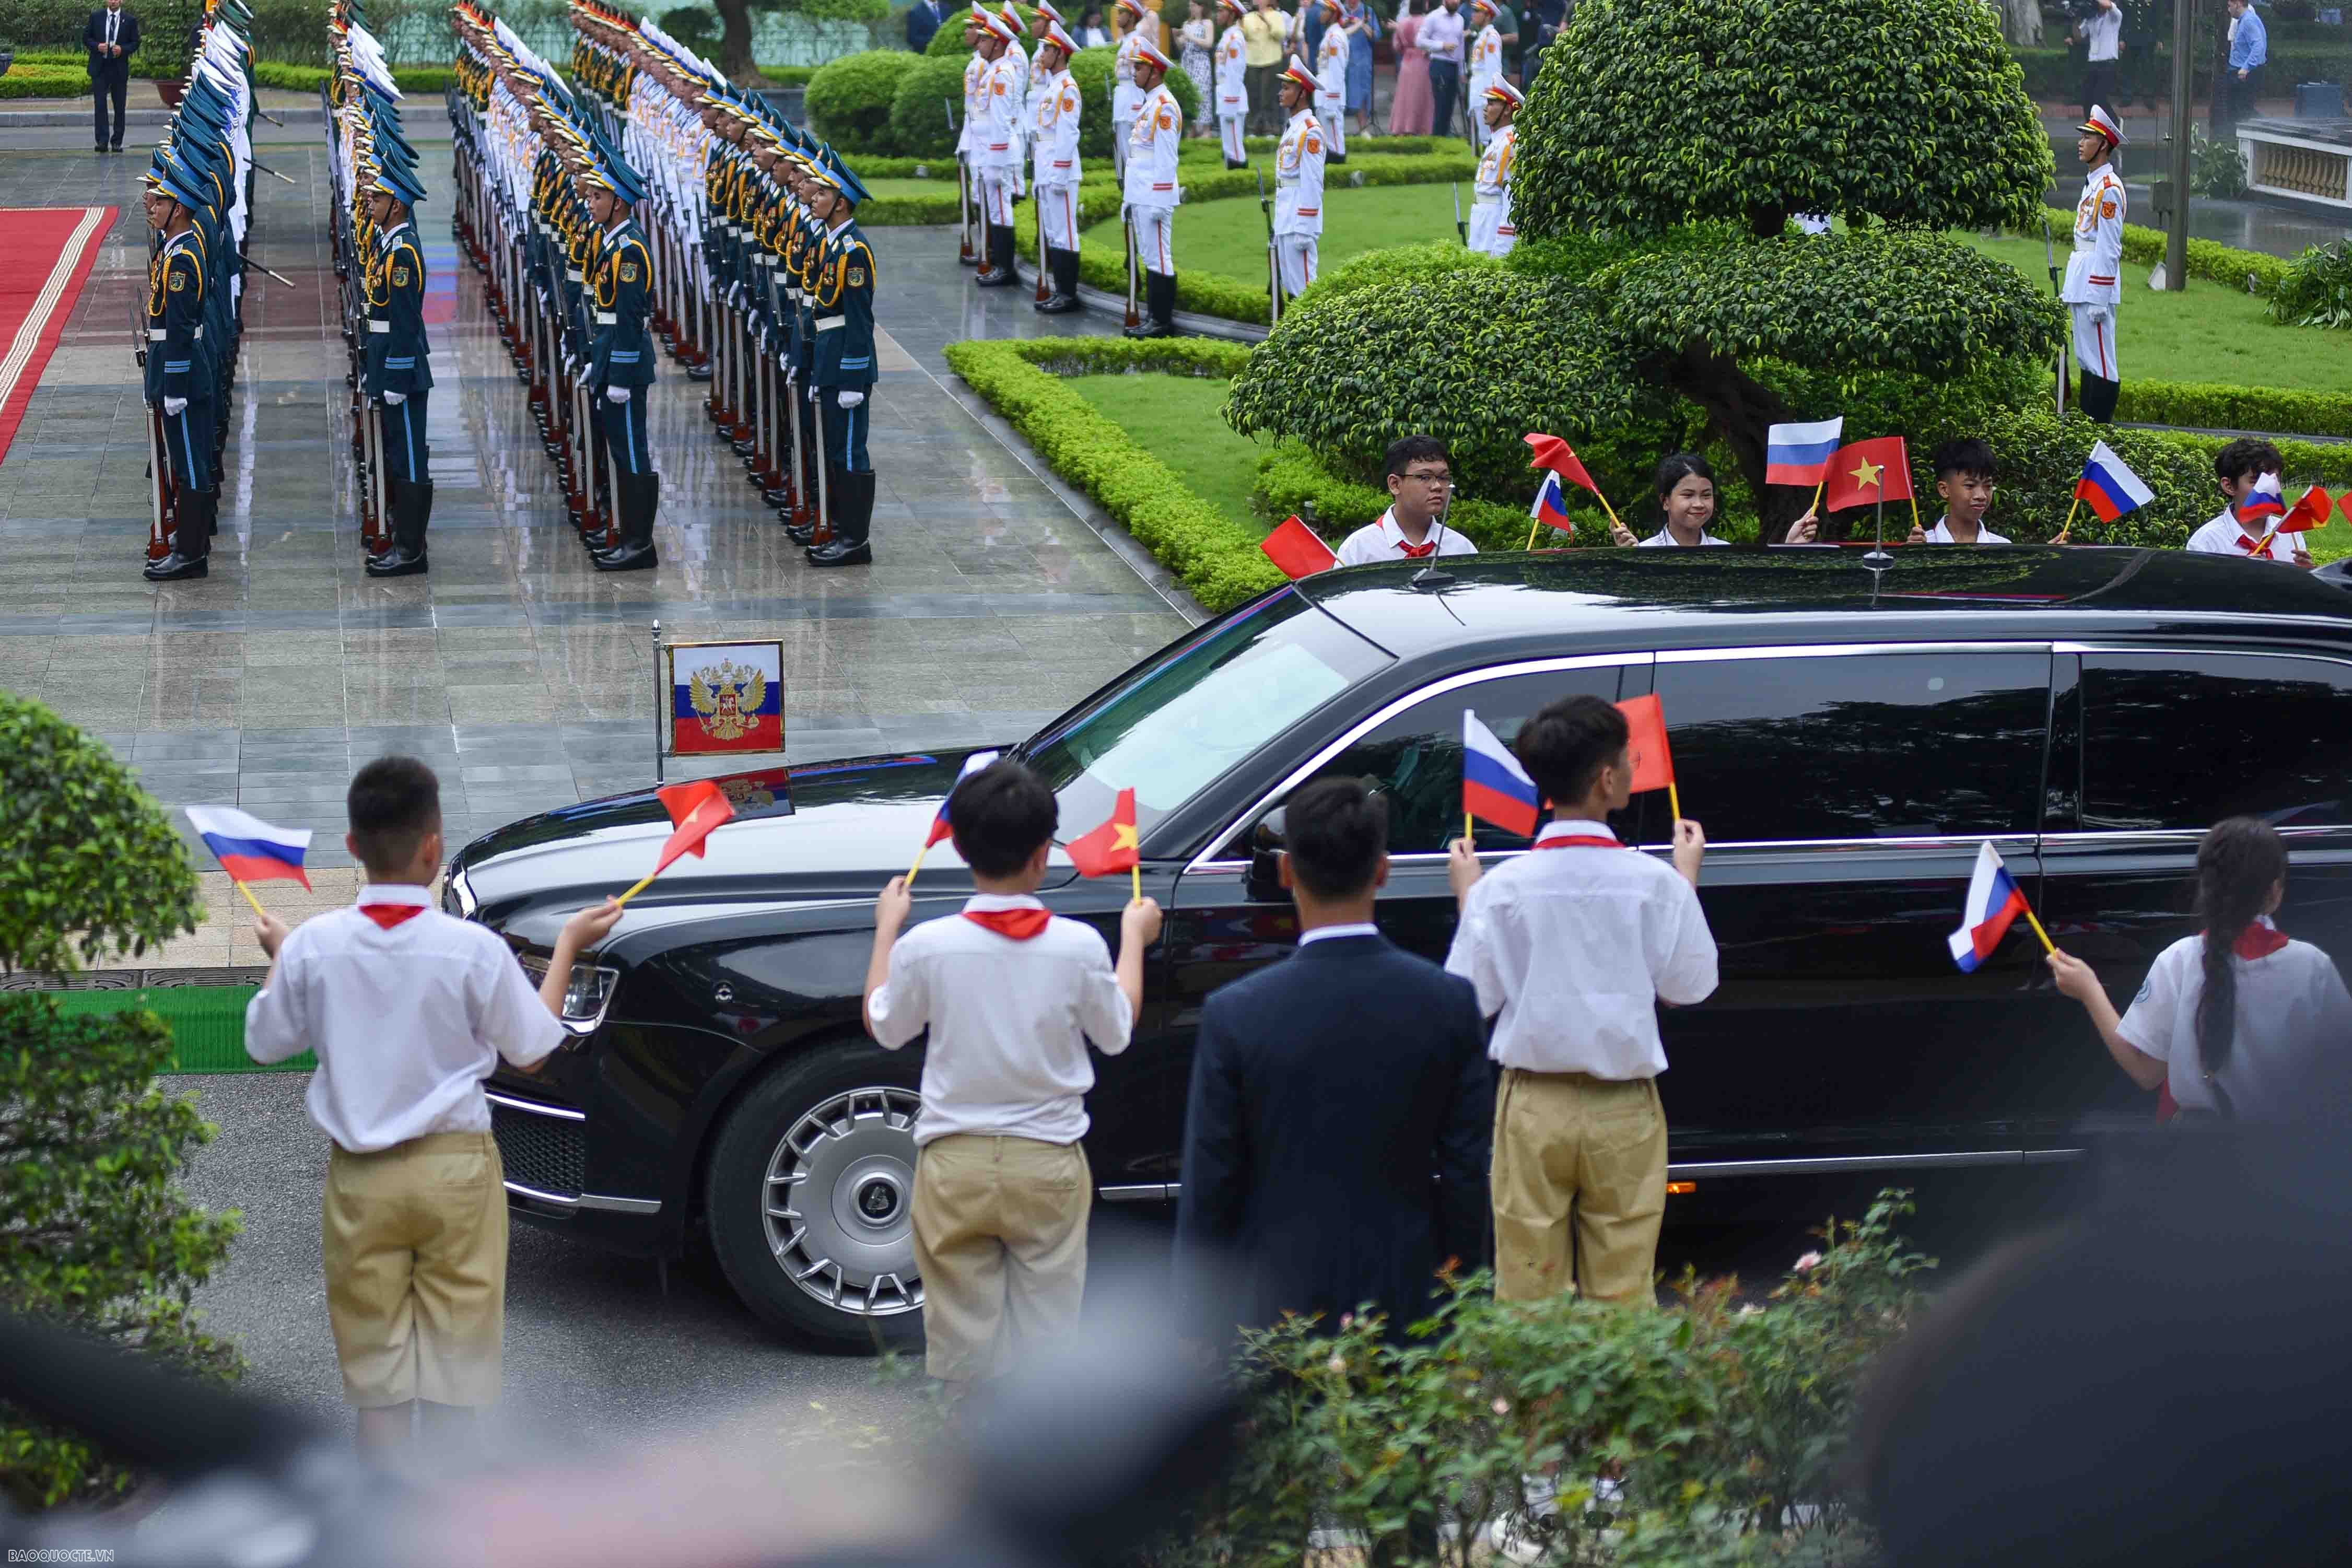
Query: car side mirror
1263, 883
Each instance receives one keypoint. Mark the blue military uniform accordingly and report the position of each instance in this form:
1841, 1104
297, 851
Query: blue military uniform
840, 295
399, 372
180, 382
619, 291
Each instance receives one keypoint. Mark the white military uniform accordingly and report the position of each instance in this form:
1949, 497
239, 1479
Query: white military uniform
1232, 92
1152, 142
1485, 70
1298, 201
2094, 271
973, 69
996, 151
1055, 137
1331, 87
1382, 540
1126, 98
1492, 233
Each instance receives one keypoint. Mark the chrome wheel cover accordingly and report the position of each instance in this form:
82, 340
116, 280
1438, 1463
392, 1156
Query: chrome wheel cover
837, 1201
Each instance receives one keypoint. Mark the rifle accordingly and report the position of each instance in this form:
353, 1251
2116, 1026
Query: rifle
270, 172
964, 196
2049, 259
258, 267
158, 520
1127, 221
1461, 229
1273, 253
1037, 200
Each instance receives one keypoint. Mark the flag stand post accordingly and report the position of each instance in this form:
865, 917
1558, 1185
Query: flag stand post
1877, 555
662, 701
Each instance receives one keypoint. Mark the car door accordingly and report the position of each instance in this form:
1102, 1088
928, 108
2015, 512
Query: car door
2164, 744
1844, 792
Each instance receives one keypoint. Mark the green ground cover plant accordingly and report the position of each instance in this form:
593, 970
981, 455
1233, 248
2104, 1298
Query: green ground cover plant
1176, 419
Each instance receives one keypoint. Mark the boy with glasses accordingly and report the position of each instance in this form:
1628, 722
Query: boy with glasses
1421, 483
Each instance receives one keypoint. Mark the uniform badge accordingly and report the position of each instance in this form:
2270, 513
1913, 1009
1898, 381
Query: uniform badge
179, 281
400, 277
628, 272
2106, 206
857, 278
1313, 145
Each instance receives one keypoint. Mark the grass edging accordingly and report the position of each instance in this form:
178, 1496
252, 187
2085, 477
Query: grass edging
2221, 405
1216, 559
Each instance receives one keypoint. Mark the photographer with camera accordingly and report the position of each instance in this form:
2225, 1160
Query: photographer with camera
2100, 24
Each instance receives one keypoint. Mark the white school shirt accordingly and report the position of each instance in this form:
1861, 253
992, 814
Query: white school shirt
407, 1022
1665, 538
1575, 948
1382, 540
2293, 1044
2221, 536
1010, 1022
1942, 534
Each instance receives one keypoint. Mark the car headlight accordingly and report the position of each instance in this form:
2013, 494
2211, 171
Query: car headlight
585, 998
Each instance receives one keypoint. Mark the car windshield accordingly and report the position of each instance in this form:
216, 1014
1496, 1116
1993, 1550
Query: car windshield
1175, 726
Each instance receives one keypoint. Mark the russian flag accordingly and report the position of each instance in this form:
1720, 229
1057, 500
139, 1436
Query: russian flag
1800, 454
727, 698
2265, 499
1551, 505
1994, 901
248, 848
940, 828
2112, 489
1494, 785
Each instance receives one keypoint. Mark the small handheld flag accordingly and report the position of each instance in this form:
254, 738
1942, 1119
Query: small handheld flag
1994, 901
695, 810
250, 849
1865, 472
1494, 785
1551, 452
2264, 501
2110, 487
1800, 454
940, 826
2344, 505
1551, 509
2309, 512
1107, 850
1296, 547
1654, 761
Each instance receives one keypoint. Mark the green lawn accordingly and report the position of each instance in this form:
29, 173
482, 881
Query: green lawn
1229, 236
1175, 418
925, 188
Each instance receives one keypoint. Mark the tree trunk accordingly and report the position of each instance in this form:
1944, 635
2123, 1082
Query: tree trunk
735, 42
1740, 411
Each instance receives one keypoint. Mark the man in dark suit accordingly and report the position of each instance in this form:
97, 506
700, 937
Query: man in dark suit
1328, 1091
112, 38
923, 19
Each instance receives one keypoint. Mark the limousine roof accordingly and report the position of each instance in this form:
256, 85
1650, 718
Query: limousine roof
1633, 598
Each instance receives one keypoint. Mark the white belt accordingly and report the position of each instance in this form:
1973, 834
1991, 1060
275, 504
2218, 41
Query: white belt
378, 326
793, 295
1486, 201
829, 323
156, 334
199, 332
607, 318
573, 274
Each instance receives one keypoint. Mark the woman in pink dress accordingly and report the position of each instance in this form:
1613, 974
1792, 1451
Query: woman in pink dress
1411, 109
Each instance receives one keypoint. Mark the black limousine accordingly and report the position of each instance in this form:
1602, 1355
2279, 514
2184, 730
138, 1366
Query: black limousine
1847, 736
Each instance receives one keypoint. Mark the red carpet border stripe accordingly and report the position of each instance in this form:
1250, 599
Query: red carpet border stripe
44, 314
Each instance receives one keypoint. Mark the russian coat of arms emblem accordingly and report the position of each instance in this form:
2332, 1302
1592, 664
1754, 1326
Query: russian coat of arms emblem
727, 699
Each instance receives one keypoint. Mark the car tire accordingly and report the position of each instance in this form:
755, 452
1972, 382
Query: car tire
810, 1195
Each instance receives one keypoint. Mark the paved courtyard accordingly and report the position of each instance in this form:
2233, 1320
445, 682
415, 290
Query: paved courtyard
522, 675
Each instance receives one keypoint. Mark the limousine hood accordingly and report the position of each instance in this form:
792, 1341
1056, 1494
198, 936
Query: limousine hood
832, 830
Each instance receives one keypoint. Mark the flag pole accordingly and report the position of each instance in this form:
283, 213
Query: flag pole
640, 888
1533, 524
2059, 538
1469, 829
2047, 946
1674, 800
917, 865
249, 899
1135, 881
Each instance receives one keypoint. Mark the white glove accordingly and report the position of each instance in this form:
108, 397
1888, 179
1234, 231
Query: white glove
852, 399
2102, 313
616, 395
174, 405
395, 399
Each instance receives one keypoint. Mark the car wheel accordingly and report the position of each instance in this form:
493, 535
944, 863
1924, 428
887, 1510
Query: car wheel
811, 1199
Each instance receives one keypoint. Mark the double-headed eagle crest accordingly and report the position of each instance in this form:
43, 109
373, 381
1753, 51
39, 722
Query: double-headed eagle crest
728, 696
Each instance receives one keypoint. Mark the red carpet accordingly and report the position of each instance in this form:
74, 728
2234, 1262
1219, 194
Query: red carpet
45, 257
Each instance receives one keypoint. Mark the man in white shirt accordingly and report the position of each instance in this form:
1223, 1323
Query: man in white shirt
2239, 467
1421, 482
1440, 39
408, 1010
1011, 996
1571, 947
1964, 477
2103, 30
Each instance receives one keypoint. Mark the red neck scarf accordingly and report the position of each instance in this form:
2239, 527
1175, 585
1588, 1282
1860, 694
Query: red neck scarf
1581, 841
1415, 551
1018, 924
389, 915
2258, 941
2249, 543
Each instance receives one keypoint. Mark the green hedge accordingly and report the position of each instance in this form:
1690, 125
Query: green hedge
788, 76
2216, 406
1215, 557
46, 81
2215, 263
414, 81
848, 102
920, 125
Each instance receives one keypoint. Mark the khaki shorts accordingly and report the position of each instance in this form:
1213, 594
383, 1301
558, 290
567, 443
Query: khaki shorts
1001, 1242
415, 1241
1579, 1186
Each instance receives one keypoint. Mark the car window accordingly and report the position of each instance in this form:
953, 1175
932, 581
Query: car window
1416, 757
1178, 723
1906, 745
2180, 741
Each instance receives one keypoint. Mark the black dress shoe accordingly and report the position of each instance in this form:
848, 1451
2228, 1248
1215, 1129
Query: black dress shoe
396, 562
802, 533
841, 553
626, 558
114, 147
175, 566
99, 148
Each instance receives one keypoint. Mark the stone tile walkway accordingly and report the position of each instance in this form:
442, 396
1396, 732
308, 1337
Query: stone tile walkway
524, 677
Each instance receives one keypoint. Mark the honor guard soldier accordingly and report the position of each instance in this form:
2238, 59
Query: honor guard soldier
1492, 233
1232, 84
1331, 76
1056, 138
1299, 179
1125, 92
1152, 145
841, 294
1016, 55
399, 369
996, 149
178, 374
975, 70
1486, 65
620, 361
2094, 271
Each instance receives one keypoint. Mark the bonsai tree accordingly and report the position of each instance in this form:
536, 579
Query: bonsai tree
1901, 117
93, 1232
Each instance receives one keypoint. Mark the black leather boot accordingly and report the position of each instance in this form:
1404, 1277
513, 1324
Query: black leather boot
997, 272
191, 541
853, 522
2099, 398
640, 497
1062, 267
412, 507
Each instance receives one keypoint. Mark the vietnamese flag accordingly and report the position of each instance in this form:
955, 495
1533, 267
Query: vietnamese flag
1112, 848
1653, 763
1551, 452
2308, 513
1296, 547
695, 808
1863, 473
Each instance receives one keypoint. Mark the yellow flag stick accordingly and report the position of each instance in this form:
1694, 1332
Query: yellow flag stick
1915, 512
1607, 508
1533, 524
917, 865
1469, 827
640, 888
251, 899
1674, 800
1135, 881
1819, 490
2060, 537
2047, 946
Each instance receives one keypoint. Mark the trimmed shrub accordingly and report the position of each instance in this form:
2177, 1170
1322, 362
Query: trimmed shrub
1396, 264
45, 81
2216, 406
848, 100
2041, 456
788, 76
924, 108
2226, 265
423, 81
1292, 480
947, 42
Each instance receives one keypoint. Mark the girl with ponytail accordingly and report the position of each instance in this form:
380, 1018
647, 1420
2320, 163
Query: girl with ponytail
2239, 1021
